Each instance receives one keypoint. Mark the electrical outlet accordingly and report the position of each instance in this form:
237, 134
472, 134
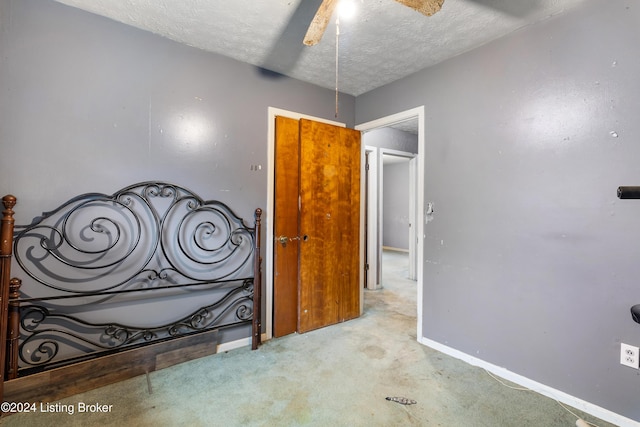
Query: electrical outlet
629, 355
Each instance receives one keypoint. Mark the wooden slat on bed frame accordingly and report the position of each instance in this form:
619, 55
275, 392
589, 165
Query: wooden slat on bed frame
66, 381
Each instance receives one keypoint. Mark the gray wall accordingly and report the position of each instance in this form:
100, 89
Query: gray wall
91, 105
390, 138
531, 262
395, 205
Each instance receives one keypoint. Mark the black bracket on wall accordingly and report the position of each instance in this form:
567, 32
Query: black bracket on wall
635, 313
631, 193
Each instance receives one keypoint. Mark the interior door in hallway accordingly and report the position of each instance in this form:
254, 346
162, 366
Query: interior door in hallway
327, 289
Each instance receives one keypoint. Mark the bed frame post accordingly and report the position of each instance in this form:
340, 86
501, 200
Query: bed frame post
13, 332
6, 244
256, 338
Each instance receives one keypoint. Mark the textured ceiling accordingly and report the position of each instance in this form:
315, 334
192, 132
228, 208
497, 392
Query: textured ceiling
386, 41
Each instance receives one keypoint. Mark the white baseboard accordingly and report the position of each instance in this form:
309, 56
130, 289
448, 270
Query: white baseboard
391, 248
232, 345
590, 408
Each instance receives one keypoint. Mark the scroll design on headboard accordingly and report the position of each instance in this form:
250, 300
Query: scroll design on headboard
149, 240
143, 236
39, 348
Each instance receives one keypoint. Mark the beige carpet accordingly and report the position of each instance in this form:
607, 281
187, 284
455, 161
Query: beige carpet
335, 376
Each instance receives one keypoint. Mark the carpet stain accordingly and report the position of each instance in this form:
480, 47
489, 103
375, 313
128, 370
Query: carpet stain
374, 352
299, 408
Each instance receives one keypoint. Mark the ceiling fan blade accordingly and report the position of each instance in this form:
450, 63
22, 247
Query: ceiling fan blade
426, 7
320, 22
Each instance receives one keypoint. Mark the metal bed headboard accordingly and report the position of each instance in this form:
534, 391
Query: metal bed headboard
104, 273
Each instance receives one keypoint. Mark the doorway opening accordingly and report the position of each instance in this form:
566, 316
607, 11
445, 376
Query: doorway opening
390, 187
415, 119
398, 208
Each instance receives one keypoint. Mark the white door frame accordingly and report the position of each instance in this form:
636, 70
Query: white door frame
373, 223
375, 214
413, 218
384, 122
272, 112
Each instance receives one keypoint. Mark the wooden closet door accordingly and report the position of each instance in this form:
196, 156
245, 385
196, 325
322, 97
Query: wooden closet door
286, 217
329, 276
